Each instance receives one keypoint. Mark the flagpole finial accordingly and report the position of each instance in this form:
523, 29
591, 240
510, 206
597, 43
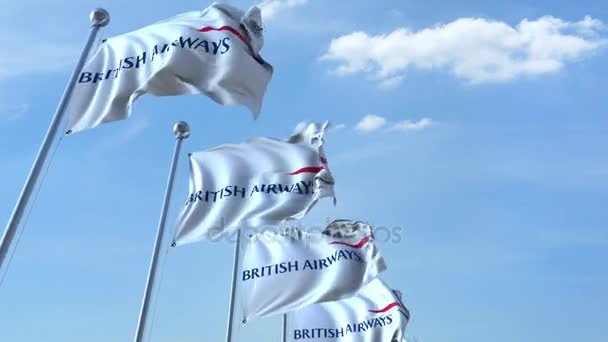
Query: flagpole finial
181, 130
99, 17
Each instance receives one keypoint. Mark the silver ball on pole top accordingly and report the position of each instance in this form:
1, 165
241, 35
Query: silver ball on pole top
99, 17
181, 129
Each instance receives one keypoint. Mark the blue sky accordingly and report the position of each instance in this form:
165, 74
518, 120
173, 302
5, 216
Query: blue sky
478, 128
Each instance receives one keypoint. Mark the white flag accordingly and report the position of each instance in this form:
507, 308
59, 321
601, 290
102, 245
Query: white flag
261, 182
375, 314
286, 272
213, 52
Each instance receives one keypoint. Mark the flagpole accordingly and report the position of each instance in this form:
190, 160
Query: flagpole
182, 131
284, 327
99, 18
235, 266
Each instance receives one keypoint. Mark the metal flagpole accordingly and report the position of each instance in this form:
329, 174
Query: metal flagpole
235, 267
99, 18
182, 131
284, 328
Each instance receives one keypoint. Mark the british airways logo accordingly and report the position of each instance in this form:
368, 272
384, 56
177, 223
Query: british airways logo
302, 187
374, 322
216, 47
352, 254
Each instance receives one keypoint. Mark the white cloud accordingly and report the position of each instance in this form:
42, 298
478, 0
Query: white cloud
270, 8
391, 82
407, 125
471, 49
370, 123
340, 126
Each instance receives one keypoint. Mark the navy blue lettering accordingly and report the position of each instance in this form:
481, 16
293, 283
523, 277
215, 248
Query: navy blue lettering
242, 191
214, 195
98, 77
309, 265
377, 323
204, 44
286, 188
85, 77
154, 52
128, 63
187, 41
331, 333
307, 186
225, 45
254, 189
216, 47
141, 59
255, 273
293, 264
333, 258
298, 188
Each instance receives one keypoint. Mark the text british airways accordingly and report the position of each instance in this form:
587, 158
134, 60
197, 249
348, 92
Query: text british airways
218, 47
342, 332
301, 266
235, 191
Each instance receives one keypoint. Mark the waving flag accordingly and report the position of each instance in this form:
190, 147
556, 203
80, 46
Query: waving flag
213, 52
261, 182
375, 314
286, 272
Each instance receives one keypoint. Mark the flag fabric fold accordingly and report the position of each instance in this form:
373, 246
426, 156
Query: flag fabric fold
287, 271
375, 314
214, 52
260, 182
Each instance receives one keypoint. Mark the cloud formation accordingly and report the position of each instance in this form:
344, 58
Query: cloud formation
270, 8
407, 125
474, 50
370, 123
